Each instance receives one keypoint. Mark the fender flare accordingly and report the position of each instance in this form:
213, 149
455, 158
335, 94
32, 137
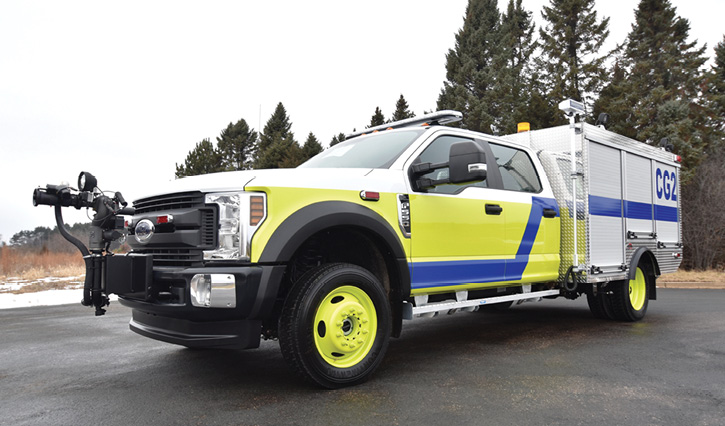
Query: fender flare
309, 220
636, 257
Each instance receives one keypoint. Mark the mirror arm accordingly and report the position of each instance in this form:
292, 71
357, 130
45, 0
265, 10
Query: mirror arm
421, 169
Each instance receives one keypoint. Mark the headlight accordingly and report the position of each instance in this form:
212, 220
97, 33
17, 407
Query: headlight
240, 214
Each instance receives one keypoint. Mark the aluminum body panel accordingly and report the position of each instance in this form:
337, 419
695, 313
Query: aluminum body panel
627, 196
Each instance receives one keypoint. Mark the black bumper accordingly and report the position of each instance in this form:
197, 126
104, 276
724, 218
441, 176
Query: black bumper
163, 311
234, 334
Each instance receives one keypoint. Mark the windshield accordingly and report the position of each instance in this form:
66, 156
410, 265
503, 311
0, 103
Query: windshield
375, 151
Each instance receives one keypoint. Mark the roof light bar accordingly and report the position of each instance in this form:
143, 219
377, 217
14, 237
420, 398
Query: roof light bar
432, 119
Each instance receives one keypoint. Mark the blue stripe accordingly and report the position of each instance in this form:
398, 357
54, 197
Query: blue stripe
612, 207
665, 213
604, 206
442, 274
515, 267
635, 210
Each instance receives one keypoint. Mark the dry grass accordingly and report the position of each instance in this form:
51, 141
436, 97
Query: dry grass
37, 286
709, 276
32, 266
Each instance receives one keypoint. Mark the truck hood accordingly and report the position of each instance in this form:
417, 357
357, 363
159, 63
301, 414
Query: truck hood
381, 180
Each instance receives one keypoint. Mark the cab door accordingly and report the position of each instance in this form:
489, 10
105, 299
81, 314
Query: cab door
457, 231
532, 217
504, 229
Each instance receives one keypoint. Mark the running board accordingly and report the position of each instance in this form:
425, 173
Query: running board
409, 310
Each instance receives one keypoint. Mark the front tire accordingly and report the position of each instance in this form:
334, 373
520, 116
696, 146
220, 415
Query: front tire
335, 325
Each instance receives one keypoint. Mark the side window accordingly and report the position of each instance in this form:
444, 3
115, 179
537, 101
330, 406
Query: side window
517, 170
437, 152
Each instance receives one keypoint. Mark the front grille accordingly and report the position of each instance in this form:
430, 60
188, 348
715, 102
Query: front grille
208, 227
181, 200
171, 257
182, 242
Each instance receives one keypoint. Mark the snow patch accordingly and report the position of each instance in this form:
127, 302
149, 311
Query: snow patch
72, 294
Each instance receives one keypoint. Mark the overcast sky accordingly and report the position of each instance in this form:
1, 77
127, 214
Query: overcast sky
125, 89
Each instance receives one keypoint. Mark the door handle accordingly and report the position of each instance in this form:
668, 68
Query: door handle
494, 209
549, 213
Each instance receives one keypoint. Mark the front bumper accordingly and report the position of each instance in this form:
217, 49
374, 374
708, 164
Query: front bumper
162, 307
234, 334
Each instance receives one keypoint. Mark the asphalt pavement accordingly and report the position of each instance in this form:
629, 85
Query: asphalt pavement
549, 362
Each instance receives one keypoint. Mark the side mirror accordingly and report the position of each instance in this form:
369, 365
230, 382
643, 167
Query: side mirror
467, 163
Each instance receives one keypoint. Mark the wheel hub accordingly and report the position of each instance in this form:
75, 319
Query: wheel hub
345, 326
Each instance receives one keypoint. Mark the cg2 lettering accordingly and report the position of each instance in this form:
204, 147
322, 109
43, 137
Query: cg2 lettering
666, 185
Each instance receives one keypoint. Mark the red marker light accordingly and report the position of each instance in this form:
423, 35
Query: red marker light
369, 195
164, 219
678, 159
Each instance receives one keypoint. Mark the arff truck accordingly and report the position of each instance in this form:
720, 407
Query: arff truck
410, 219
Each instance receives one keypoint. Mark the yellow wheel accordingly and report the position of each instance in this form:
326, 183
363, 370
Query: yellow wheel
638, 290
335, 325
630, 297
345, 326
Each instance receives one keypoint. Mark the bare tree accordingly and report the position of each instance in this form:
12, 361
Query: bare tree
703, 213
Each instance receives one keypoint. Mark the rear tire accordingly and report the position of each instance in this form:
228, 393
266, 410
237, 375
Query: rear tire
631, 297
335, 325
600, 305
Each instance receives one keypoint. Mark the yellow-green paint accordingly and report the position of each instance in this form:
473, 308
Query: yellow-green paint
451, 228
638, 290
345, 326
282, 202
443, 229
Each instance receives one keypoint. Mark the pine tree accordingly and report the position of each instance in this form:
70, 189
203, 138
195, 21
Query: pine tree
277, 145
284, 152
337, 139
715, 92
311, 147
659, 94
236, 146
377, 119
203, 159
401, 110
570, 43
514, 82
471, 68
278, 127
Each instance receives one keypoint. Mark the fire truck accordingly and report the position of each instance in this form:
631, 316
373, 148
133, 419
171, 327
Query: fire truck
409, 219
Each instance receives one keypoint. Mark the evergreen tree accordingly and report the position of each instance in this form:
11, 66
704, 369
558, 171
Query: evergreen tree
337, 139
278, 127
401, 110
276, 139
514, 83
203, 159
377, 119
472, 66
716, 91
570, 43
311, 147
658, 95
236, 146
282, 153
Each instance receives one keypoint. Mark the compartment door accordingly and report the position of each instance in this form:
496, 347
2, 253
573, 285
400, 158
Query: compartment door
667, 202
638, 205
606, 223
